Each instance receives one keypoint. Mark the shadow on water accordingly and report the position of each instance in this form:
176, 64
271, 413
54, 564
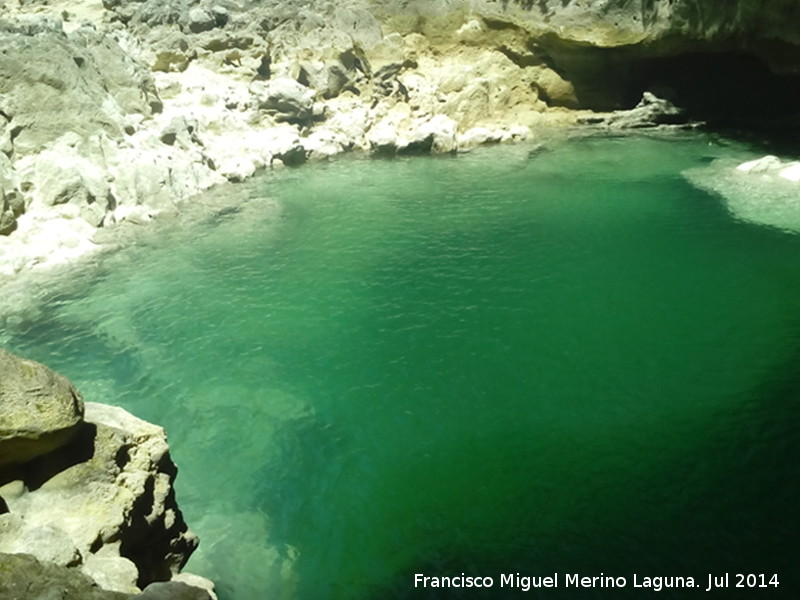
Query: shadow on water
743, 521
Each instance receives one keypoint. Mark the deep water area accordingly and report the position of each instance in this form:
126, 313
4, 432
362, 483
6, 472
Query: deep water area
536, 360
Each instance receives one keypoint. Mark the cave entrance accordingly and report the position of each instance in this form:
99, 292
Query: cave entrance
727, 89
720, 84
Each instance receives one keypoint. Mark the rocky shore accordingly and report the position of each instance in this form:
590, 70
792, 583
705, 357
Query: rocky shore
114, 111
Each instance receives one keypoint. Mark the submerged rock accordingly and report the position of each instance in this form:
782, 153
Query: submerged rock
762, 191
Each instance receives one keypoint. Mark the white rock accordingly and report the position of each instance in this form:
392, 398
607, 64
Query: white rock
114, 573
324, 143
791, 172
198, 582
471, 31
443, 130
761, 165
284, 98
477, 136
137, 215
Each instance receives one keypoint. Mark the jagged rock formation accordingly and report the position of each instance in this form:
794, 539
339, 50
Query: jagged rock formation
86, 486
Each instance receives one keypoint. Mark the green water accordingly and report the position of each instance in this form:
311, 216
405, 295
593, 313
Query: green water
566, 361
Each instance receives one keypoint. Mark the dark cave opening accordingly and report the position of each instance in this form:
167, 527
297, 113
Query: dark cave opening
724, 89
720, 84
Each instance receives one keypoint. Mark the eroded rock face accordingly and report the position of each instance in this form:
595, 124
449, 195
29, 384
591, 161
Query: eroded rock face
85, 486
51, 82
154, 101
611, 51
39, 410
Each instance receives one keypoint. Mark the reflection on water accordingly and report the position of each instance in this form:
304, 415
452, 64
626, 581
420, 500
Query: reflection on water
573, 362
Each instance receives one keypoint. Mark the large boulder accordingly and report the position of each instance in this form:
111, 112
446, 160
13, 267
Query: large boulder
285, 99
39, 410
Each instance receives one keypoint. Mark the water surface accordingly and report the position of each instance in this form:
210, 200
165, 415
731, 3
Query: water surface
565, 361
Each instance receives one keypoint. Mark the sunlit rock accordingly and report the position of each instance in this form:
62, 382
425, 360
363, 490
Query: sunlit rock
57, 454
39, 410
285, 99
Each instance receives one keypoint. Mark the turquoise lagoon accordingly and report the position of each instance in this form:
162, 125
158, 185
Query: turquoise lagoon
519, 360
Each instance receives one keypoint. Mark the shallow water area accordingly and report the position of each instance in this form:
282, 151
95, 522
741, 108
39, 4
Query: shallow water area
560, 360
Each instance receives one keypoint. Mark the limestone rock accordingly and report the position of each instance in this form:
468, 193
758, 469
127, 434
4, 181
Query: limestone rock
285, 99
8, 222
114, 573
197, 581
39, 409
172, 53
762, 191
12, 204
25, 577
107, 495
47, 542
72, 184
199, 19
181, 130
442, 132
761, 165
173, 590
478, 136
85, 486
650, 112
328, 78
51, 83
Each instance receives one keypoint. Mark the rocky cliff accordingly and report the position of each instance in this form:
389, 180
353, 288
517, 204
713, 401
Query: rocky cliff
84, 488
116, 111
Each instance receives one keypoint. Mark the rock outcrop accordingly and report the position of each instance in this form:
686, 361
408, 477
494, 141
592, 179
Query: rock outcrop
85, 486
